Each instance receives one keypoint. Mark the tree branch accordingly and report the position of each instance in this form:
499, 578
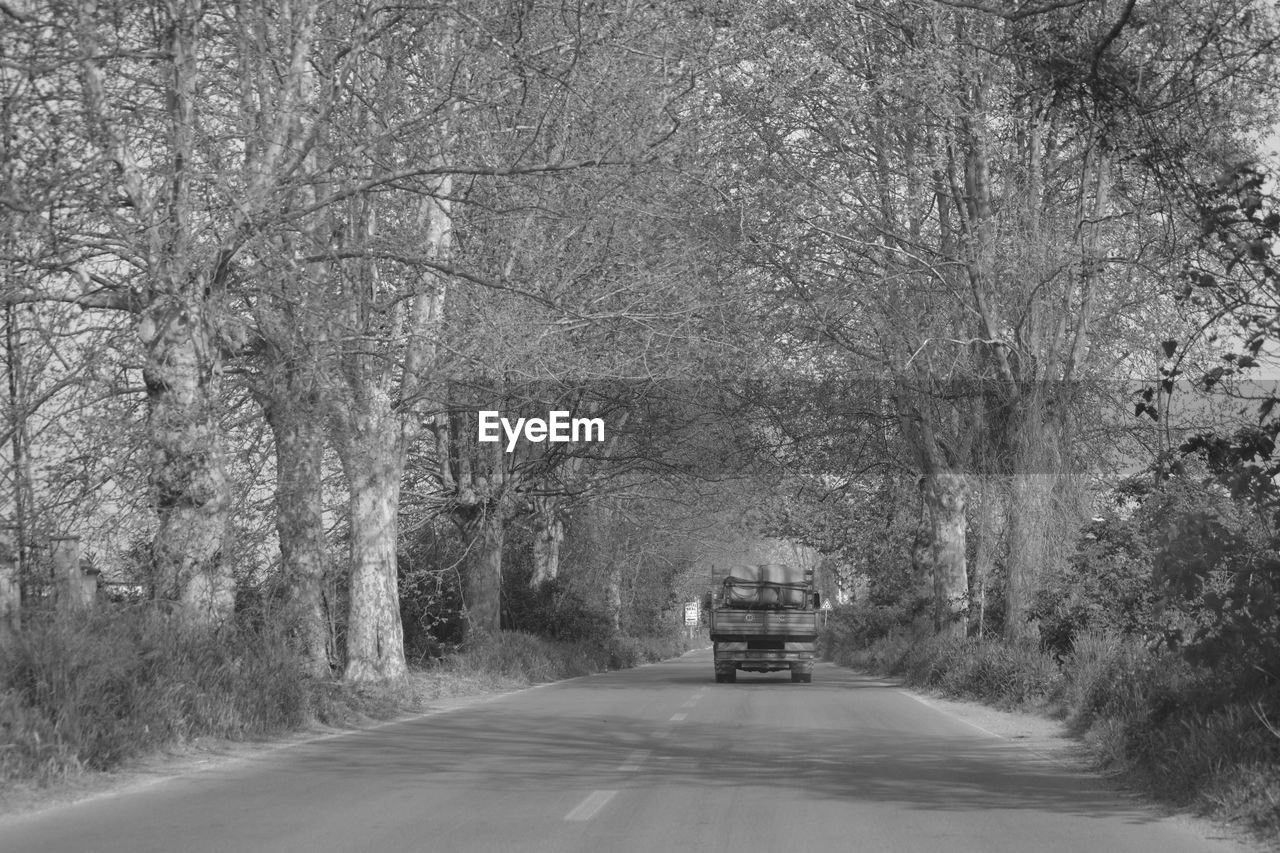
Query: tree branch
14, 13
1015, 14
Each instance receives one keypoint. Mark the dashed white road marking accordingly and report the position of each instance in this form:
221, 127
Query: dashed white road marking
634, 760
591, 806
675, 718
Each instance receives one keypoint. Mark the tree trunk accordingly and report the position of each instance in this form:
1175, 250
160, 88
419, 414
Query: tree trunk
922, 570
371, 440
476, 473
10, 592
548, 536
613, 597
299, 443
1033, 515
181, 372
23, 498
487, 535
375, 635
1030, 519
986, 524
376, 419
945, 498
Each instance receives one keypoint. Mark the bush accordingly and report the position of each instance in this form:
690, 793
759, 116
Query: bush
1106, 587
1226, 583
1249, 795
33, 749
1007, 675
89, 694
552, 610
94, 692
430, 611
855, 627
516, 658
522, 657
626, 652
1109, 677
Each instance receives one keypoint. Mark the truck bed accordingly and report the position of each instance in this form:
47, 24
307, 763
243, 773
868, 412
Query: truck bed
728, 625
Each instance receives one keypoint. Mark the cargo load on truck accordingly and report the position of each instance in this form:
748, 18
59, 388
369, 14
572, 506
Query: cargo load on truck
768, 585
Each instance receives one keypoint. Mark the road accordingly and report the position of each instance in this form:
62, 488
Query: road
654, 759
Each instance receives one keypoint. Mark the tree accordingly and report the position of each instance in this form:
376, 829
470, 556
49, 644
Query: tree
575, 277
174, 171
931, 204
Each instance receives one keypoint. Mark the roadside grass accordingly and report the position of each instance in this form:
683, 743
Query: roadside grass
90, 694
1190, 736
515, 659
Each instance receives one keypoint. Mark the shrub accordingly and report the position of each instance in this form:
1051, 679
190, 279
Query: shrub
1106, 587
91, 693
519, 656
627, 652
1227, 583
1010, 675
883, 655
552, 610
33, 749
1109, 677
430, 610
854, 627
1249, 793
514, 658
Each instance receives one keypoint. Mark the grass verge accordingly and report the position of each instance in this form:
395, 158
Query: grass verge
90, 694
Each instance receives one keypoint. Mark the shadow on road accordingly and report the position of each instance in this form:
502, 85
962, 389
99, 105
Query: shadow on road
860, 758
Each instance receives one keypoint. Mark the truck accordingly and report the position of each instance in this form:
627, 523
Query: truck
763, 618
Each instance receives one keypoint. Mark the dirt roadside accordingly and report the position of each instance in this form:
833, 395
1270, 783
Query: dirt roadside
1049, 740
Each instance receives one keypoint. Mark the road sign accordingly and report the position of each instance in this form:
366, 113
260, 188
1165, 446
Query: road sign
691, 613
826, 605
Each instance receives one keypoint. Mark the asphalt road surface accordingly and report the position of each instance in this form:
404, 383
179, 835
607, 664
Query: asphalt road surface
654, 759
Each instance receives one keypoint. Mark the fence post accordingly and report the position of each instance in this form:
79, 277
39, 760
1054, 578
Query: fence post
10, 591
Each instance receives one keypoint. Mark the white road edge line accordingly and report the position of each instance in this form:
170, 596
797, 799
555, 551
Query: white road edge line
591, 806
929, 704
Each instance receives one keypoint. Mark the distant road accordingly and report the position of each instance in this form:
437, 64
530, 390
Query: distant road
649, 760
